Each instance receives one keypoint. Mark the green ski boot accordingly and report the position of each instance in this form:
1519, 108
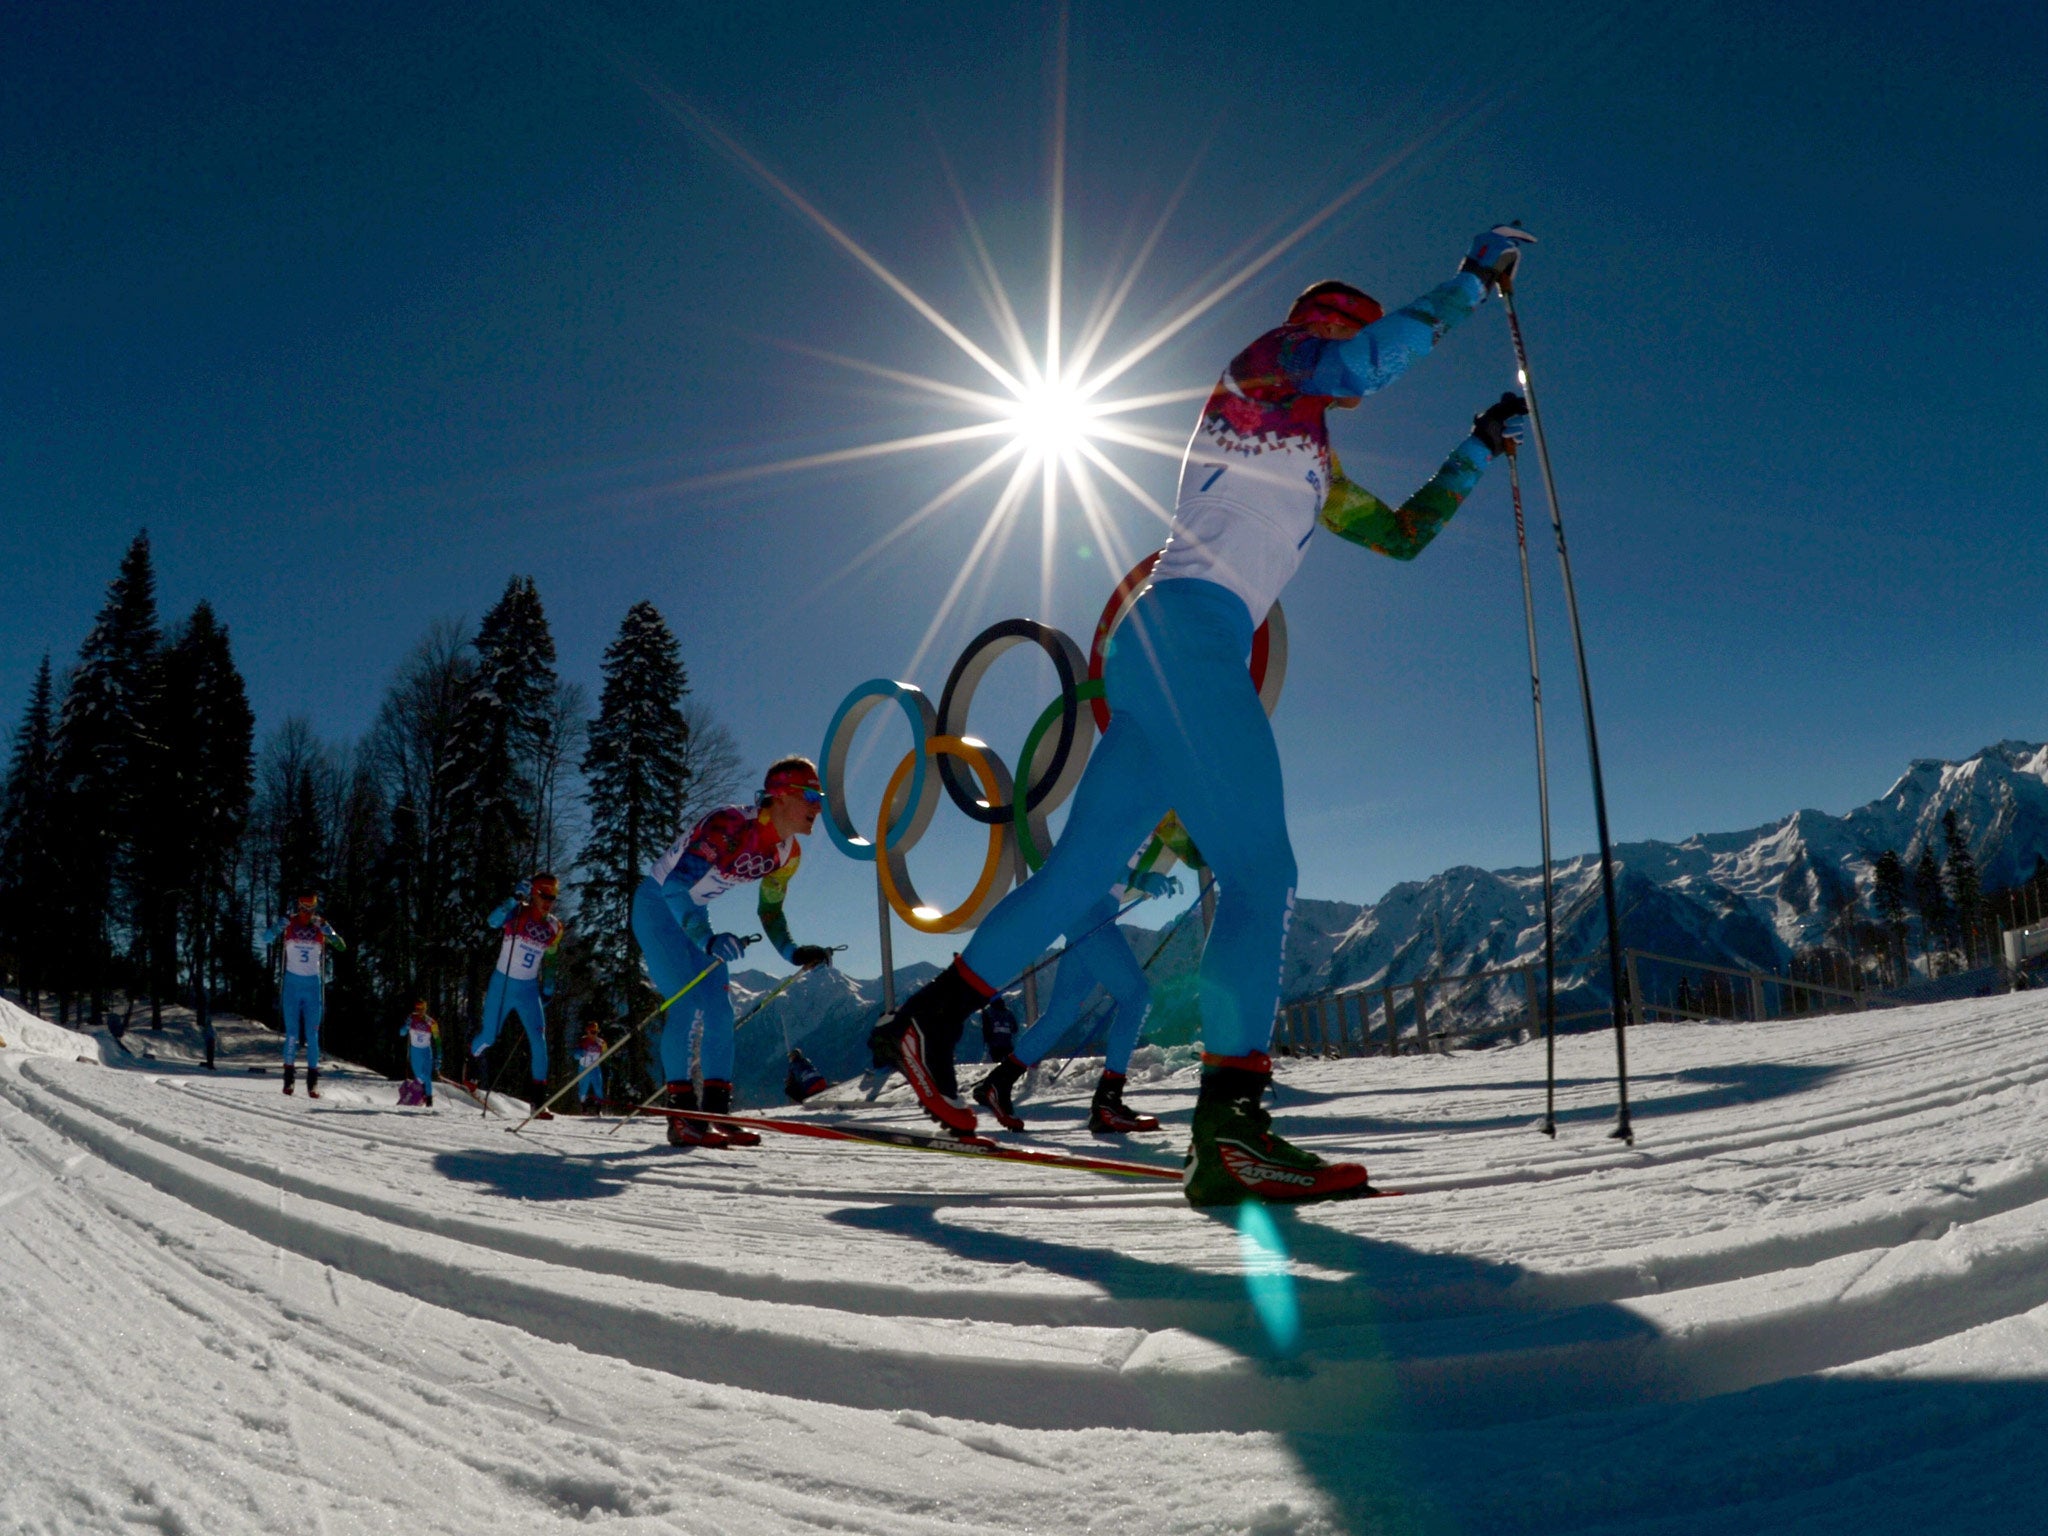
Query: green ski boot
1234, 1156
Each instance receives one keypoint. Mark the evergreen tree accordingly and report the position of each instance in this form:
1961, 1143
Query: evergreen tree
1931, 897
502, 734
636, 769
1965, 891
102, 758
29, 866
409, 750
1888, 897
209, 734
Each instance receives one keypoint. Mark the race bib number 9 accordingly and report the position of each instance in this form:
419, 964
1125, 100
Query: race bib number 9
525, 960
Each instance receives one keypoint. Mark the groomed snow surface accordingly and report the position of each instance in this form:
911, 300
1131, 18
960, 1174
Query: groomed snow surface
1813, 1298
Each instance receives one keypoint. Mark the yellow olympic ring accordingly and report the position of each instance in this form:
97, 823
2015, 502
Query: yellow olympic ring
997, 870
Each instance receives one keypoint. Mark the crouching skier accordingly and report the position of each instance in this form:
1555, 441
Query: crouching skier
731, 846
524, 977
1100, 956
422, 1035
1186, 728
302, 985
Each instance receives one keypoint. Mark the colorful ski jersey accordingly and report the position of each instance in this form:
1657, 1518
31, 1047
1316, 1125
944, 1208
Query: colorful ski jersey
305, 944
1258, 470
529, 938
420, 1035
1168, 837
730, 847
589, 1053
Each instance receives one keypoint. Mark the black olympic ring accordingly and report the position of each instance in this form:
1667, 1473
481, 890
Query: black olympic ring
1046, 787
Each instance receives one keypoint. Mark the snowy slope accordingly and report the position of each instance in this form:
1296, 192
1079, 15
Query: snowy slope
1814, 1297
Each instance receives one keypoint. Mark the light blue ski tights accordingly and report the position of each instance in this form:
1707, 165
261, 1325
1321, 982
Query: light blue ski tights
1186, 731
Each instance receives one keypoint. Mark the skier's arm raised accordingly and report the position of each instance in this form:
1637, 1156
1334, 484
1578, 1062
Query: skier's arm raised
1352, 512
1381, 353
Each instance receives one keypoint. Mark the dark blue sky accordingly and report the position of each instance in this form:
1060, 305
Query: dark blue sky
362, 310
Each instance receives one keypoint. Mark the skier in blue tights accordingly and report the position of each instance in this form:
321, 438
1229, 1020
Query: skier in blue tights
302, 985
421, 1033
1101, 957
1186, 727
523, 979
672, 922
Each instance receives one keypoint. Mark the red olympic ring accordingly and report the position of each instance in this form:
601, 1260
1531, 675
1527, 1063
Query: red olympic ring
1119, 605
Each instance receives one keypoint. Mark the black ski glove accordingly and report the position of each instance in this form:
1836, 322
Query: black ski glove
808, 955
1502, 425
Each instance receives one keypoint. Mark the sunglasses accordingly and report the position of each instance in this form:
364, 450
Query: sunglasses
813, 797
543, 895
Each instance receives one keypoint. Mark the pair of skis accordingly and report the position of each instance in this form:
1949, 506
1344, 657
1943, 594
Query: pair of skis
951, 1146
925, 1141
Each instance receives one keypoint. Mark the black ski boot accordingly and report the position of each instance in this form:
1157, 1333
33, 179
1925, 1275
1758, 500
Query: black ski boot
291, 1076
688, 1133
1234, 1156
992, 1093
312, 1083
919, 1039
540, 1099
718, 1100
1109, 1115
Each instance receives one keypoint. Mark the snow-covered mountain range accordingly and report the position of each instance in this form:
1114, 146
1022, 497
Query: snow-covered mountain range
1745, 898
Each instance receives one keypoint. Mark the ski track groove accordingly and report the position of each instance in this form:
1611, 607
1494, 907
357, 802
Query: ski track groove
1854, 1231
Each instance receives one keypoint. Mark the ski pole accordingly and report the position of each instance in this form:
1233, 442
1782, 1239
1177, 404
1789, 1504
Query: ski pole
786, 983
752, 938
1034, 969
1542, 810
620, 1043
1623, 1129
1166, 938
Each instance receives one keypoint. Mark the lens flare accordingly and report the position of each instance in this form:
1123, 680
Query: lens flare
1267, 1278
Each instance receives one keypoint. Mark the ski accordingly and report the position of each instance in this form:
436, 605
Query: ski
928, 1141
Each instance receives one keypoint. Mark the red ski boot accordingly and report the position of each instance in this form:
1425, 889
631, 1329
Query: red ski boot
1234, 1156
312, 1083
718, 1100
919, 1038
992, 1093
688, 1133
1109, 1115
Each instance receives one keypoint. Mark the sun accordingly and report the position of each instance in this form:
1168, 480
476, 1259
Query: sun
1045, 409
1052, 420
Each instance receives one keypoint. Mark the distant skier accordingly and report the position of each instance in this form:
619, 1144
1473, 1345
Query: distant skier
1186, 728
302, 984
1098, 956
802, 1080
422, 1035
590, 1076
523, 978
731, 846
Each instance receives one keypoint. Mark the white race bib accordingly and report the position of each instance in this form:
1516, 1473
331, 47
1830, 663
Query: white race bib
519, 957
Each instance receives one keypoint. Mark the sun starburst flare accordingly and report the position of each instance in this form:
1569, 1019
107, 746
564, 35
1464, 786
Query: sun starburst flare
1046, 413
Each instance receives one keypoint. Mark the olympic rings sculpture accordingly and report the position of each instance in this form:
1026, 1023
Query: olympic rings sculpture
1054, 755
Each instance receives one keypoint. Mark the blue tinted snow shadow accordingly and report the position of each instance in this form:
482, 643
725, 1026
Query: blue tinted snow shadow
535, 1175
